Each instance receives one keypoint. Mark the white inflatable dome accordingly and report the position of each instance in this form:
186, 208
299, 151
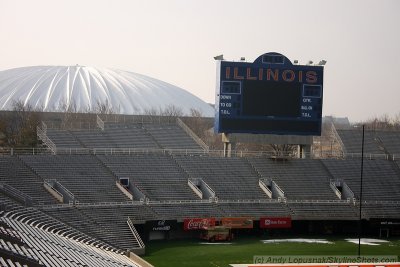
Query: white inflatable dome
50, 88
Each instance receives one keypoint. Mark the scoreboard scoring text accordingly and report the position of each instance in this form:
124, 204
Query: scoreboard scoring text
268, 96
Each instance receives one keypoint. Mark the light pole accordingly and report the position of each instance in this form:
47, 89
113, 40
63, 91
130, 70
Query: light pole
361, 185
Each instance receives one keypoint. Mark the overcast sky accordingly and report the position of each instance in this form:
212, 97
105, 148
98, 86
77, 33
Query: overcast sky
175, 41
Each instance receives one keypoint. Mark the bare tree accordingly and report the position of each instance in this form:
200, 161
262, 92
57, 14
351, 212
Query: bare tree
283, 150
197, 123
4, 136
384, 122
169, 113
214, 141
19, 127
195, 113
172, 111
68, 109
151, 112
67, 106
396, 121
104, 107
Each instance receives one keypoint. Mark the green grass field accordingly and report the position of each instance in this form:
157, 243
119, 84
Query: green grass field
192, 253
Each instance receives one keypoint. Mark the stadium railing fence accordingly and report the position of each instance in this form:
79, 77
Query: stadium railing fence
191, 152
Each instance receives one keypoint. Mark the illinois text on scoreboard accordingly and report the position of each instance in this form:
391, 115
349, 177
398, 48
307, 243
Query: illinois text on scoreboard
269, 96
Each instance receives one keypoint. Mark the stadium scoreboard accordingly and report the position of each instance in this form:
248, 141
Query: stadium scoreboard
269, 96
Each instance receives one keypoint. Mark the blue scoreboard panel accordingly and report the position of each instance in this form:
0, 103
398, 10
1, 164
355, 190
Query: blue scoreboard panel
268, 96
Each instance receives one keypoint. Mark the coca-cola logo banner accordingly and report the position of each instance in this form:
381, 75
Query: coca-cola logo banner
198, 223
276, 222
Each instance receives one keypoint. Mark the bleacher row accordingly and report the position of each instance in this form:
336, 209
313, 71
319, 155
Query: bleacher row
138, 136
164, 177
172, 136
108, 223
101, 209
375, 142
92, 178
31, 238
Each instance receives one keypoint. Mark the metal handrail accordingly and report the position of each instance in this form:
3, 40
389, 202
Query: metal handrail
338, 138
192, 134
42, 135
129, 151
100, 122
135, 233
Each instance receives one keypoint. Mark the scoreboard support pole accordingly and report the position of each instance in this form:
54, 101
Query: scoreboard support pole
304, 151
227, 145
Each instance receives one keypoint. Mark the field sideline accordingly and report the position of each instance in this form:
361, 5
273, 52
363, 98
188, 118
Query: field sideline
192, 253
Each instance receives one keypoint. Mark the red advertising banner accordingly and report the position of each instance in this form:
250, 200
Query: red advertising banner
198, 223
237, 223
276, 222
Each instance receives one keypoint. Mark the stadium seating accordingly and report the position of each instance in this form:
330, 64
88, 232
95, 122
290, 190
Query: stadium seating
167, 211
161, 160
256, 210
13, 251
63, 138
230, 178
94, 138
156, 175
391, 141
298, 178
52, 243
82, 175
14, 173
352, 140
323, 210
135, 136
379, 210
131, 136
107, 223
380, 179
8, 204
171, 136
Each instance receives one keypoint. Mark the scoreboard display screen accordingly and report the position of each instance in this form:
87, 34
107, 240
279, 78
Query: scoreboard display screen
268, 96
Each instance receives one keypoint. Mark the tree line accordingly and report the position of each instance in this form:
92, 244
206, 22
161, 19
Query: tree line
18, 126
